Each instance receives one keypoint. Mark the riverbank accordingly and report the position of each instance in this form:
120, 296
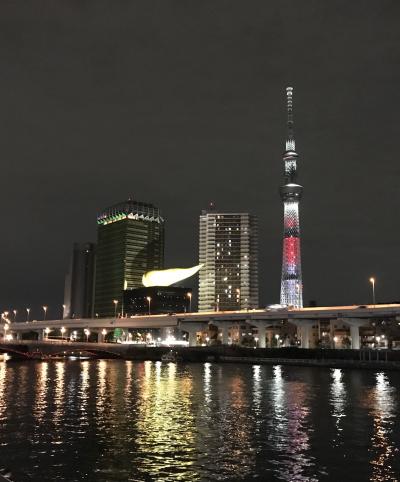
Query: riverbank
332, 358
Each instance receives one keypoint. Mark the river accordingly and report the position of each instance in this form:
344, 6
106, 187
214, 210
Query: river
113, 420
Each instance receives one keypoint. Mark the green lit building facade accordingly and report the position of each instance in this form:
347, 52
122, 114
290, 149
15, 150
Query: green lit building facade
130, 242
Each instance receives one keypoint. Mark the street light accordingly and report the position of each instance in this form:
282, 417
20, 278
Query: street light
45, 311
64, 306
115, 308
277, 338
104, 333
372, 281
28, 310
47, 331
87, 333
5, 331
189, 295
256, 340
63, 330
15, 315
148, 298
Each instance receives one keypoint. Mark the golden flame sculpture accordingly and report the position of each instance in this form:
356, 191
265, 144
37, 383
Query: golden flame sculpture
168, 277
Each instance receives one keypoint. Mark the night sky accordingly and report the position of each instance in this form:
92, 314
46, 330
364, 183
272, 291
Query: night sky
181, 103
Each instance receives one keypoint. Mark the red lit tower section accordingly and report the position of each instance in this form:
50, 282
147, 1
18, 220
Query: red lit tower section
291, 281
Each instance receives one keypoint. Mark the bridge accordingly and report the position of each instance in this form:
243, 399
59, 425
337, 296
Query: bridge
306, 322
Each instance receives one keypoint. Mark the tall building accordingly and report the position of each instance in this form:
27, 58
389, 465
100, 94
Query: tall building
79, 282
228, 249
291, 281
130, 242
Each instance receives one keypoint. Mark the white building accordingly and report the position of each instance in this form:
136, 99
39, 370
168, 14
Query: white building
228, 249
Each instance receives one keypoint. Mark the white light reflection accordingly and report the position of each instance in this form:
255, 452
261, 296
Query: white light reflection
40, 406
207, 383
290, 428
257, 393
101, 388
3, 380
59, 395
384, 413
84, 394
338, 400
278, 398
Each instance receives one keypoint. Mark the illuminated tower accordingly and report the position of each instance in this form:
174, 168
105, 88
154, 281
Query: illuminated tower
291, 282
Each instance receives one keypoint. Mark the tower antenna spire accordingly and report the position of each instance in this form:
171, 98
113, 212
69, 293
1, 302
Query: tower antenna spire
290, 142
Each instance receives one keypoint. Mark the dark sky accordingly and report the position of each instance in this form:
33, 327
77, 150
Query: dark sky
183, 102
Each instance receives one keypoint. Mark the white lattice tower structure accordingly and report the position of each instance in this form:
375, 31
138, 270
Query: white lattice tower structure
291, 280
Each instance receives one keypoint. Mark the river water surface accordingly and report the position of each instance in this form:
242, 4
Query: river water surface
112, 420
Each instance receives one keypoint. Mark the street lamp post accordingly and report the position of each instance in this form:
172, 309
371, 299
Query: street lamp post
5, 331
64, 306
62, 329
149, 301
115, 308
47, 331
372, 281
28, 310
87, 333
15, 315
104, 333
45, 312
189, 295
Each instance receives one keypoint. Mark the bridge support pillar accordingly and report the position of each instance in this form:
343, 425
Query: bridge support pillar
304, 327
354, 325
192, 329
223, 331
261, 331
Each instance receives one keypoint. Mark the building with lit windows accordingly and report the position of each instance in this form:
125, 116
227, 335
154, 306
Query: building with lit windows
228, 251
130, 243
157, 300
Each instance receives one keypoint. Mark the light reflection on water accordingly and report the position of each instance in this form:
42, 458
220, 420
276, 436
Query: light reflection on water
110, 420
383, 409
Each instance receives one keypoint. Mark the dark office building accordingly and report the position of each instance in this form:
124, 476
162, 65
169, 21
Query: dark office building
157, 300
79, 282
130, 242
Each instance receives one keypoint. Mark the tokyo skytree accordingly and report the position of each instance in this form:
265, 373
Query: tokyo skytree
291, 281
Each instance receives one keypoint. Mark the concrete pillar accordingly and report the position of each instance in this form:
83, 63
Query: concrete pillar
223, 331
355, 337
261, 329
305, 332
304, 328
40, 334
354, 324
261, 336
18, 336
270, 337
193, 329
